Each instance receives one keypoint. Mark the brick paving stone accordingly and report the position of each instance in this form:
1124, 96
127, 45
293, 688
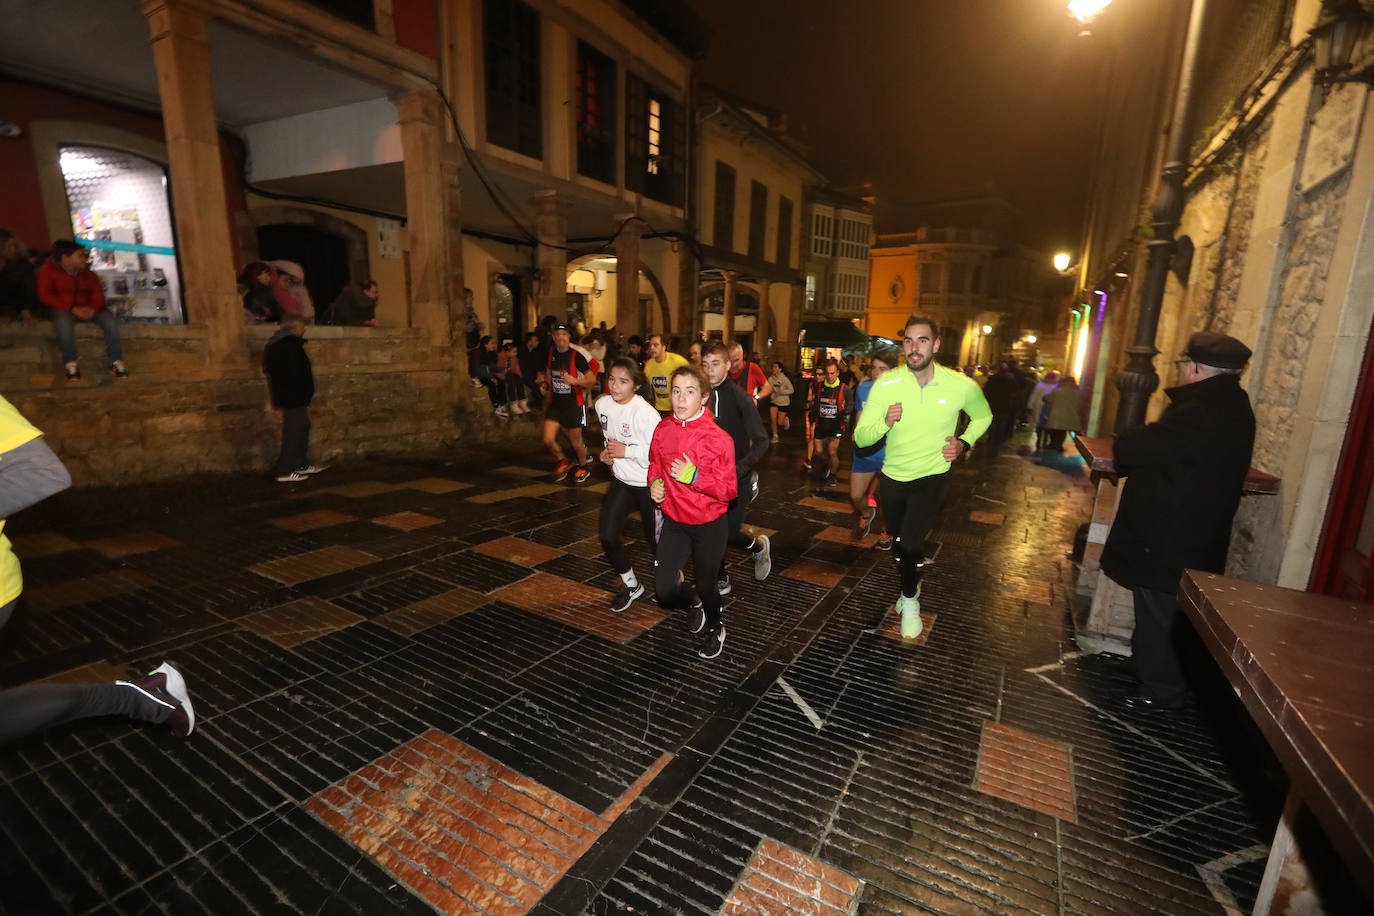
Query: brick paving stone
817, 572
464, 831
43, 544
515, 470
504, 494
1026, 769
436, 485
987, 518
361, 489
891, 627
826, 505
407, 521
579, 606
518, 550
839, 535
780, 880
303, 567
125, 545
295, 622
411, 619
91, 588
310, 521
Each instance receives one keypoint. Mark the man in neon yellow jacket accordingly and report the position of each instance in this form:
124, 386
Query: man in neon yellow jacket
916, 408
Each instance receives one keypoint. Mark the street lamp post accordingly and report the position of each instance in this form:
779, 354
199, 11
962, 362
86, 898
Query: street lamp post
1138, 380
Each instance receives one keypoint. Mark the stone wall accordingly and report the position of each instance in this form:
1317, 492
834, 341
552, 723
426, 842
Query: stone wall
378, 390
1249, 166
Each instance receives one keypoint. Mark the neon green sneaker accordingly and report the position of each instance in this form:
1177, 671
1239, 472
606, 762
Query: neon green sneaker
910, 609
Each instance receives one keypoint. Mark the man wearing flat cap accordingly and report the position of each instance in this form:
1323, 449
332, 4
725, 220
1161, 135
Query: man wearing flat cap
1184, 475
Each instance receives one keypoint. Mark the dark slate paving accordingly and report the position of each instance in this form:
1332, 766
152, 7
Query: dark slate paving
101, 816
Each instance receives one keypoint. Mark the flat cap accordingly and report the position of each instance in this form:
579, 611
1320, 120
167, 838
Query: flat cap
1220, 350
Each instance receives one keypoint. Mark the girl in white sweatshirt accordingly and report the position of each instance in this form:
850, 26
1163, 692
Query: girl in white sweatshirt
628, 422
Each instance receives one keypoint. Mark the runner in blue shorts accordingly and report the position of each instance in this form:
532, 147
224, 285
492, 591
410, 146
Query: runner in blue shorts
868, 460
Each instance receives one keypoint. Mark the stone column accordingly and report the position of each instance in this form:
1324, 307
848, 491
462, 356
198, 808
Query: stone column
731, 283
763, 327
426, 192
181, 54
627, 312
550, 258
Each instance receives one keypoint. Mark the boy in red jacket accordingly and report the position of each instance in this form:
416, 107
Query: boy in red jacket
71, 291
692, 478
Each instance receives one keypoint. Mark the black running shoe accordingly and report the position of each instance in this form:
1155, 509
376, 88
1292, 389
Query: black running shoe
712, 642
698, 618
164, 688
626, 597
723, 586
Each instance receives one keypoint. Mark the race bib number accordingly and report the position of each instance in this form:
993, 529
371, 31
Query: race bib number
829, 410
660, 385
560, 383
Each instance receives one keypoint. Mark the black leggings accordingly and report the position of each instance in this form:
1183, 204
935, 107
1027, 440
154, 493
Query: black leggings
705, 544
33, 707
622, 499
911, 508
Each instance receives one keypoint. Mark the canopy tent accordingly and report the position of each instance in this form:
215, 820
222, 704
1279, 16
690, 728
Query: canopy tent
841, 334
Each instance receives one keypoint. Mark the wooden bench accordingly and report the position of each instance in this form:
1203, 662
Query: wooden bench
1104, 615
1303, 665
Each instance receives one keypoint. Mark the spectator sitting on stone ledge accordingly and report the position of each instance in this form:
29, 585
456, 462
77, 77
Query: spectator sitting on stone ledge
18, 289
357, 306
259, 299
72, 292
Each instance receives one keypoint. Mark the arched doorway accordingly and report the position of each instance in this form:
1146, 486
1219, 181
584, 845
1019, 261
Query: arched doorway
591, 297
322, 255
332, 251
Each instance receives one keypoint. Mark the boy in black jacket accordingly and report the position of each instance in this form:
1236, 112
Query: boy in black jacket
293, 386
738, 414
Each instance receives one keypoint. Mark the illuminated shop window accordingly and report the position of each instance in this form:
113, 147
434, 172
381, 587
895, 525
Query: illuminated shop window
120, 211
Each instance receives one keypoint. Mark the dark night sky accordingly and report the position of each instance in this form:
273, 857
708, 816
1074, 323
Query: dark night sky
925, 99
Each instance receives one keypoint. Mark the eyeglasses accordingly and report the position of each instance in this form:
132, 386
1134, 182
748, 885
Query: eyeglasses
1183, 359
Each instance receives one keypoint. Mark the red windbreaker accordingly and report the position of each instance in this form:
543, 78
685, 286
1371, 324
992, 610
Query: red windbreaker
712, 450
58, 289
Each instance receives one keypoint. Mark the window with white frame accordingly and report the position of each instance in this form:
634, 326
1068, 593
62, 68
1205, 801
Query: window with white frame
810, 291
822, 231
853, 235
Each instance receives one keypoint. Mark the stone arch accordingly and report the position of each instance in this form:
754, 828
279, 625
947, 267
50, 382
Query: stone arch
355, 238
664, 310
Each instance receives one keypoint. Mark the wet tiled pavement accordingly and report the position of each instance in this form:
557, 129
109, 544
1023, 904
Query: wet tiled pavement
413, 698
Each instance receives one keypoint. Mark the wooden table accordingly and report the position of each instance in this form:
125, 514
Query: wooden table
1104, 615
1303, 664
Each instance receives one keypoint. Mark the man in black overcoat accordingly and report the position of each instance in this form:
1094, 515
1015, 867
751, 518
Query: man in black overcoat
1184, 474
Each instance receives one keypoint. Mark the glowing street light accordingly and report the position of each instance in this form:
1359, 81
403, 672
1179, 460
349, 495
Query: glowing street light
1061, 261
987, 329
1030, 338
1085, 11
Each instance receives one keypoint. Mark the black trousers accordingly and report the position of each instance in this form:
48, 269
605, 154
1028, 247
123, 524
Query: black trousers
33, 707
734, 517
622, 499
1154, 645
705, 544
911, 508
295, 439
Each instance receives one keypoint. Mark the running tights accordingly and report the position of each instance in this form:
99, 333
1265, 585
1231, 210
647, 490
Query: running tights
911, 508
622, 499
705, 545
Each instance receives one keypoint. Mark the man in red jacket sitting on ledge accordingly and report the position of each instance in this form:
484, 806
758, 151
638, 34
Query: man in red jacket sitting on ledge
71, 292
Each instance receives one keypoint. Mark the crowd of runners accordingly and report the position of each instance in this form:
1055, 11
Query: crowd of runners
683, 436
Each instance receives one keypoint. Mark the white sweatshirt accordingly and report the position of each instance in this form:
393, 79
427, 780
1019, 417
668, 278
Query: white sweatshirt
633, 423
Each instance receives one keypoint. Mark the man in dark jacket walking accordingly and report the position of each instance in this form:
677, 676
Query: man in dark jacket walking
293, 387
1184, 475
